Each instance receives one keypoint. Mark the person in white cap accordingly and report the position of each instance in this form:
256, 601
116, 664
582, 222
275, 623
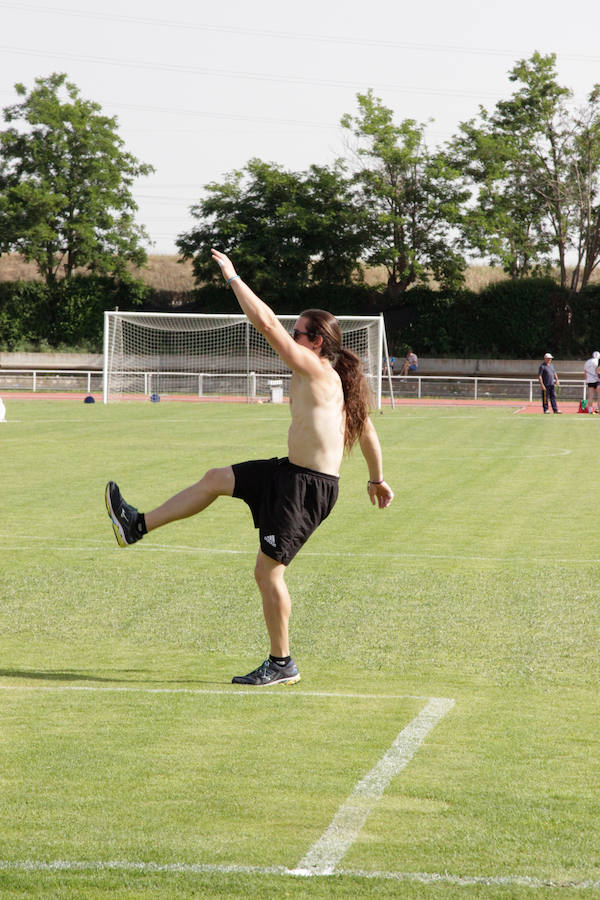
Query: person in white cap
592, 380
548, 380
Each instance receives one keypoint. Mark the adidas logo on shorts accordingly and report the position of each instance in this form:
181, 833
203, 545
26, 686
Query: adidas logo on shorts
270, 539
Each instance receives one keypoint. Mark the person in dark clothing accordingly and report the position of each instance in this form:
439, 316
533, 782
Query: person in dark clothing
548, 380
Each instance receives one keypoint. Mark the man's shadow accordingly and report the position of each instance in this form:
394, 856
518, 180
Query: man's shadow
55, 675
121, 676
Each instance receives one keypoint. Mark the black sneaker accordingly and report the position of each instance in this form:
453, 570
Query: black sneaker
126, 520
270, 673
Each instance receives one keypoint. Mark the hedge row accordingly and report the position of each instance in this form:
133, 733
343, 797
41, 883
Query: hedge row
510, 319
70, 315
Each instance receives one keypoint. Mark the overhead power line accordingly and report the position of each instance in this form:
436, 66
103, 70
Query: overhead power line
280, 35
231, 73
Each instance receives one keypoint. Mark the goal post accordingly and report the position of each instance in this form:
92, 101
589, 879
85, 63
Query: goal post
203, 355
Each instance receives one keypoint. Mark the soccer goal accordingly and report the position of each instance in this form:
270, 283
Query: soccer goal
213, 356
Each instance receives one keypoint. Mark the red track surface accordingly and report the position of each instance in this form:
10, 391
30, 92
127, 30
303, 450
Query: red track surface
519, 407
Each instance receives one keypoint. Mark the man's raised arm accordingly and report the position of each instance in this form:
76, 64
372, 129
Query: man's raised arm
262, 316
297, 358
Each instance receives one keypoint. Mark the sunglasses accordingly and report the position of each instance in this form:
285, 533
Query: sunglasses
309, 334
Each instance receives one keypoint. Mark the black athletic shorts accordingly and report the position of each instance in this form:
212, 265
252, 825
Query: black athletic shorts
287, 502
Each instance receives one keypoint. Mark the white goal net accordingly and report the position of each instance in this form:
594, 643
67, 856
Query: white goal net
214, 356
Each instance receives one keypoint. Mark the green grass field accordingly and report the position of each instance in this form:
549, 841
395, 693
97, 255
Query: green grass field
131, 767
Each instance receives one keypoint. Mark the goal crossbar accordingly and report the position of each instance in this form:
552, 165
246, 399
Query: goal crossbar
205, 355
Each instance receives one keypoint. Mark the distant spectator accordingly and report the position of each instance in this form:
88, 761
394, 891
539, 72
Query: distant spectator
548, 380
592, 380
410, 364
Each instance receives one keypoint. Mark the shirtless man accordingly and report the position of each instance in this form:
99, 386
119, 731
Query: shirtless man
288, 497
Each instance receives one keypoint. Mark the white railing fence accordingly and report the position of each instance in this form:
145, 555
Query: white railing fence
207, 384
479, 387
51, 380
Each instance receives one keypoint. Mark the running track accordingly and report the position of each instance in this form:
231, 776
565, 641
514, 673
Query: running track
518, 407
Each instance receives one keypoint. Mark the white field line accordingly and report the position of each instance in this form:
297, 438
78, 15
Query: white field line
63, 865
110, 547
274, 691
406, 557
476, 453
338, 837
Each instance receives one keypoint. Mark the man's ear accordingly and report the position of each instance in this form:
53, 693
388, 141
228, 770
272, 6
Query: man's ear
318, 342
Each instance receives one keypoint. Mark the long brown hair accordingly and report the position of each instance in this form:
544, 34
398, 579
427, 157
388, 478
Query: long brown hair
357, 395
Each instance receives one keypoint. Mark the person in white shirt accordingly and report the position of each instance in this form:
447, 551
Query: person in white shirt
592, 380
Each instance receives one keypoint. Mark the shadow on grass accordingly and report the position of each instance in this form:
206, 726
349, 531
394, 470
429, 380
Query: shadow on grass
56, 675
67, 675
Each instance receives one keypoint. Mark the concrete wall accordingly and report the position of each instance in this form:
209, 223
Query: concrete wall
491, 368
50, 360
509, 368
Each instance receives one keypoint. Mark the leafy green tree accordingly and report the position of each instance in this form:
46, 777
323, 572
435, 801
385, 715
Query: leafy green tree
536, 170
535, 121
410, 199
585, 181
503, 223
286, 230
65, 184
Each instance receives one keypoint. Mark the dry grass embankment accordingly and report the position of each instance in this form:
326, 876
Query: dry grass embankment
164, 273
167, 273
476, 277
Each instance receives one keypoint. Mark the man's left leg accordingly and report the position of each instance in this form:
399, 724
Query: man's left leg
279, 668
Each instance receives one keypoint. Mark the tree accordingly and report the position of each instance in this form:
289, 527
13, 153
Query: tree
411, 199
65, 184
585, 178
536, 169
287, 230
535, 121
503, 223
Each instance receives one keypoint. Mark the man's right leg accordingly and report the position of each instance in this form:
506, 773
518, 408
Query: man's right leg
279, 667
129, 525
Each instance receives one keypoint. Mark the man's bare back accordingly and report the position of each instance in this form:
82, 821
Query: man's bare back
316, 433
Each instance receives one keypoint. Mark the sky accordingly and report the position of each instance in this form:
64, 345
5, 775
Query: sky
199, 89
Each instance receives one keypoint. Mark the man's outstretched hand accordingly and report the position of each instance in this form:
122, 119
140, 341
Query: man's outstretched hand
225, 264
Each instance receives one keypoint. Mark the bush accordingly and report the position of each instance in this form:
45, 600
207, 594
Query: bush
509, 319
217, 299
24, 314
520, 319
71, 313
